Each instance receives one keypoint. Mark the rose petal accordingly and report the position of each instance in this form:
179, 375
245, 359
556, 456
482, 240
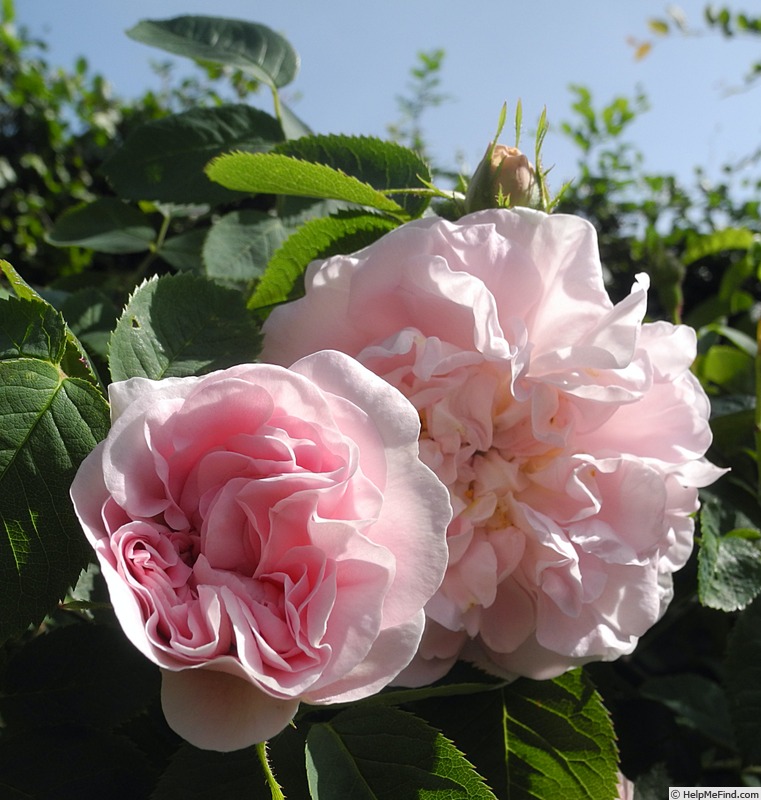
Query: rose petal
218, 711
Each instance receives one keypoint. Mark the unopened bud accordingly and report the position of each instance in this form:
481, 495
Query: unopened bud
505, 177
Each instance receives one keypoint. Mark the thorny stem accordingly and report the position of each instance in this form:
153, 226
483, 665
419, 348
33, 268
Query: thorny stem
275, 791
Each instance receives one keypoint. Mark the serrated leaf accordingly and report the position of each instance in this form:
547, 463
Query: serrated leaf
182, 325
559, 740
70, 675
248, 46
729, 567
272, 173
742, 680
239, 245
106, 225
381, 164
317, 238
74, 362
50, 422
534, 740
20, 287
164, 160
31, 329
718, 242
387, 754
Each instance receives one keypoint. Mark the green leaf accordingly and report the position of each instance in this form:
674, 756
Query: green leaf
559, 740
183, 251
91, 316
31, 329
742, 680
50, 422
239, 245
383, 165
387, 755
164, 160
718, 242
74, 362
698, 703
182, 325
293, 126
730, 368
272, 173
69, 675
254, 48
317, 238
106, 225
729, 567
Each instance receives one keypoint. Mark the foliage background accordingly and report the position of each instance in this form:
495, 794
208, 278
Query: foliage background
84, 221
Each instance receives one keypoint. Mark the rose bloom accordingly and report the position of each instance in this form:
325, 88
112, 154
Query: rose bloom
267, 536
570, 435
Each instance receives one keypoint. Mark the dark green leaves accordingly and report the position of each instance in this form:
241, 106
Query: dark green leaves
729, 566
49, 421
256, 49
387, 754
743, 682
164, 160
107, 225
238, 247
182, 325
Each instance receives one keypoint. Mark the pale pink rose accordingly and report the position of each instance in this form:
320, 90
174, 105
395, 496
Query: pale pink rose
570, 434
267, 536
625, 788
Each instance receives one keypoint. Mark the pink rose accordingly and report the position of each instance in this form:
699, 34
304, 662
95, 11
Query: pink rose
570, 435
267, 536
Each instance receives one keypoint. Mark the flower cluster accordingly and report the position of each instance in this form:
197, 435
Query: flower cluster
569, 433
461, 448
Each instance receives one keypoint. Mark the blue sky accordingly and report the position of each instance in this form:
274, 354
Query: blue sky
356, 58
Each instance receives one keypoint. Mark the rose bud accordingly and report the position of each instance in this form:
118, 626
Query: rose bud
505, 177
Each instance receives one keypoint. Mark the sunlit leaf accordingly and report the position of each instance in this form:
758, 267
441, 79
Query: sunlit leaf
718, 242
318, 238
182, 325
387, 755
50, 422
272, 173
